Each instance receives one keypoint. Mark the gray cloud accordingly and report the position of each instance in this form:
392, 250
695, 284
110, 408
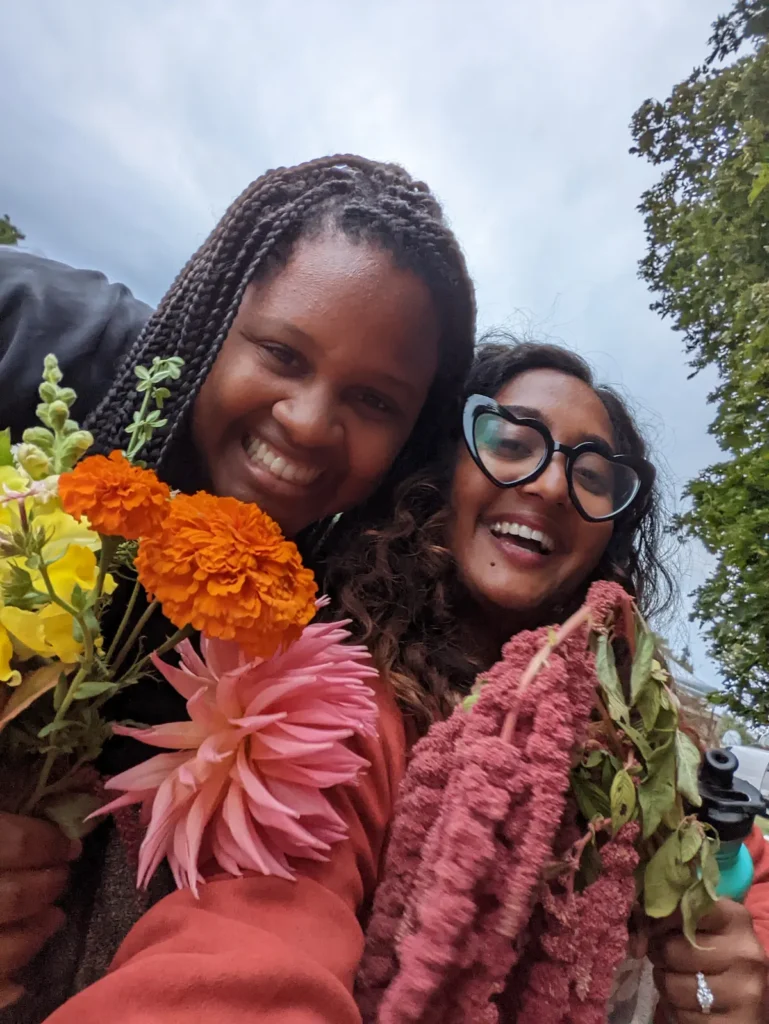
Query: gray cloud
128, 128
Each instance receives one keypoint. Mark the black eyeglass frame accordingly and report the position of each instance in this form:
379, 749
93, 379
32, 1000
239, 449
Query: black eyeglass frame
479, 405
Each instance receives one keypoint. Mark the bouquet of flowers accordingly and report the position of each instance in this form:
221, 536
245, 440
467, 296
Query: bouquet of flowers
271, 698
547, 810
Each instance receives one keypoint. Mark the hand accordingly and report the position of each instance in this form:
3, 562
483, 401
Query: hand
731, 958
34, 858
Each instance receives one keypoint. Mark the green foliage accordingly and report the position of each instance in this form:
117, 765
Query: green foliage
9, 233
707, 226
639, 765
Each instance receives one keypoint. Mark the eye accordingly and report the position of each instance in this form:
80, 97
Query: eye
374, 402
283, 356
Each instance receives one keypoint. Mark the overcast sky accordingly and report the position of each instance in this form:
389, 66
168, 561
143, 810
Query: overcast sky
126, 129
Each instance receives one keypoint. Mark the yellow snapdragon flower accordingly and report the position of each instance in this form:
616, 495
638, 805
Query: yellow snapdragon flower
70, 553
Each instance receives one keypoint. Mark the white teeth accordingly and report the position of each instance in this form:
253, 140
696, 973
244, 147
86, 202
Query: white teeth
279, 466
521, 530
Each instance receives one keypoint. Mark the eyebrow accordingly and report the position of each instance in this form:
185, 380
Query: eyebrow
279, 326
528, 413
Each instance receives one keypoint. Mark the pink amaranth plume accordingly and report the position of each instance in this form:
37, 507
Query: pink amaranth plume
462, 914
243, 785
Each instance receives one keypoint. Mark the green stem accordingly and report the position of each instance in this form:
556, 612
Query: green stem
50, 757
124, 621
88, 643
136, 444
109, 546
170, 643
54, 597
134, 635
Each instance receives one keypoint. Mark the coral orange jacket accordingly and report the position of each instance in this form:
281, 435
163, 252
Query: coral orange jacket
279, 952
261, 948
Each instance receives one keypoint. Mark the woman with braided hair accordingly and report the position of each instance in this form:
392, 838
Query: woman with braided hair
551, 492
326, 326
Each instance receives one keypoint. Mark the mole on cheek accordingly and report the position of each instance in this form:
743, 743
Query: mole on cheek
492, 564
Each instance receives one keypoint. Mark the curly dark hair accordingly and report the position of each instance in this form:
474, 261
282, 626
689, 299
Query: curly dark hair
373, 202
398, 582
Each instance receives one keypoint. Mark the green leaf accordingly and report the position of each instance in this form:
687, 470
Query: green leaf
593, 758
95, 689
691, 841
648, 705
592, 801
611, 686
53, 727
657, 793
640, 675
696, 902
760, 182
711, 874
622, 799
666, 879
639, 741
687, 768
6, 458
69, 812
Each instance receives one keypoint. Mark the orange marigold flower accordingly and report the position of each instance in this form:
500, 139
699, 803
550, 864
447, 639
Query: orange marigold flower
224, 568
118, 499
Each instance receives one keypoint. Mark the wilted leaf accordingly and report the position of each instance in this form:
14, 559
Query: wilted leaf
666, 879
593, 802
687, 768
32, 686
593, 758
648, 705
691, 841
606, 671
622, 799
657, 793
709, 869
639, 741
696, 902
640, 675
70, 810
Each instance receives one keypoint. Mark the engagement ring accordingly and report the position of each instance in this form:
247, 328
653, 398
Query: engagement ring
704, 994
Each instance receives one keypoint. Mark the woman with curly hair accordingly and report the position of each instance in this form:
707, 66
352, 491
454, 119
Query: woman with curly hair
550, 491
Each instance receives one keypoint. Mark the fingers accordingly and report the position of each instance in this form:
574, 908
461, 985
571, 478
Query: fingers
714, 953
19, 943
735, 991
29, 893
31, 843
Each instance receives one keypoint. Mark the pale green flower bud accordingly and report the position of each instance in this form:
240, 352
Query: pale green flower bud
58, 413
33, 460
40, 436
77, 444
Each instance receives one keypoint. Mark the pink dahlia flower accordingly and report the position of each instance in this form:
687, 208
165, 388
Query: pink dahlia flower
265, 738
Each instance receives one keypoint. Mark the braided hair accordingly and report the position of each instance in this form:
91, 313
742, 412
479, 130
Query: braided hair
369, 201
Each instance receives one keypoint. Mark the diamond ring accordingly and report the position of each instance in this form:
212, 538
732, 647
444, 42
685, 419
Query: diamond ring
704, 993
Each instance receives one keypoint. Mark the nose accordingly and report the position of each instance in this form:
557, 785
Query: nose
309, 417
551, 485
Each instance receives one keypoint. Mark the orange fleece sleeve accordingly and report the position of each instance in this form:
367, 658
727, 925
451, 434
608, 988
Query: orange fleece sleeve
757, 900
260, 948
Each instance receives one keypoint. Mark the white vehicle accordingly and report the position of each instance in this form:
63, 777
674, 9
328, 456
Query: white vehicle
753, 767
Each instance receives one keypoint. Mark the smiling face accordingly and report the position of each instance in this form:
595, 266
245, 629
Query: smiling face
319, 382
524, 548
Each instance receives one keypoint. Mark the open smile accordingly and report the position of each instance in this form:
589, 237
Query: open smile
275, 468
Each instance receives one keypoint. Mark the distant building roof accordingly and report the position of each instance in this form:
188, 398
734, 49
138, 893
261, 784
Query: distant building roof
689, 683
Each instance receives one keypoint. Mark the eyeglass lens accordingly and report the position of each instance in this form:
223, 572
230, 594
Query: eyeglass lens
512, 452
